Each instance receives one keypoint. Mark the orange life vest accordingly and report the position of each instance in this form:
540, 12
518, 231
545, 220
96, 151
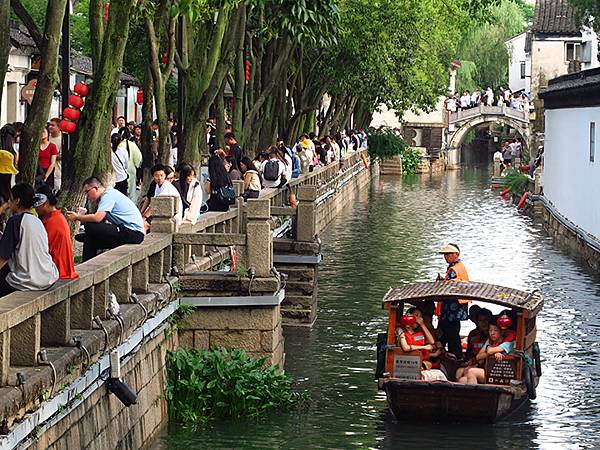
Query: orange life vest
417, 338
461, 275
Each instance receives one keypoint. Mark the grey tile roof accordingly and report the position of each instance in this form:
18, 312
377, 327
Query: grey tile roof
585, 78
555, 17
20, 38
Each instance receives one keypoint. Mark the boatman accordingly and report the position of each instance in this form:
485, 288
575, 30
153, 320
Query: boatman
452, 312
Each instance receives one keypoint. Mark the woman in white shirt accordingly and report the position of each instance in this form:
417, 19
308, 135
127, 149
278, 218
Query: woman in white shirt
120, 163
193, 192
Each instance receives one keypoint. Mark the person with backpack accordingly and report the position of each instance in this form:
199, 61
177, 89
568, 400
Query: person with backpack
295, 161
273, 170
219, 186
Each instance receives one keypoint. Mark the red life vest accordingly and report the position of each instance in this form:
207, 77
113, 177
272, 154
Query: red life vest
417, 338
509, 336
476, 340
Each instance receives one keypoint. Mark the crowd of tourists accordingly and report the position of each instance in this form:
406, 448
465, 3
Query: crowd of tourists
487, 97
36, 248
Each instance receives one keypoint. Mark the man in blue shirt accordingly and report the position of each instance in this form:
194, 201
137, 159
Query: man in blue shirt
116, 222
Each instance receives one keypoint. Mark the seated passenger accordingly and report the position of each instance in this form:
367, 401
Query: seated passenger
416, 336
496, 345
477, 337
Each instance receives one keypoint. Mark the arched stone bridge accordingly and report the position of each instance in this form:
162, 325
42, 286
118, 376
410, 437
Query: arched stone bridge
461, 122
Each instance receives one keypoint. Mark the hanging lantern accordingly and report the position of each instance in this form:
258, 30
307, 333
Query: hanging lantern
408, 320
139, 97
76, 101
504, 321
247, 70
66, 126
82, 89
71, 114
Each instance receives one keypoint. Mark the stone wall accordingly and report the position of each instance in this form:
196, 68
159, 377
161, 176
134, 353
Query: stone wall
102, 422
255, 329
569, 241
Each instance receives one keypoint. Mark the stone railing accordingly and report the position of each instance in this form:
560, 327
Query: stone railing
46, 335
482, 110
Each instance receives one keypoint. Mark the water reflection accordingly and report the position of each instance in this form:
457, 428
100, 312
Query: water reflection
391, 237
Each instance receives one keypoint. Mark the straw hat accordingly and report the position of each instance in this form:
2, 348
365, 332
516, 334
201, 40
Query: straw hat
7, 163
449, 249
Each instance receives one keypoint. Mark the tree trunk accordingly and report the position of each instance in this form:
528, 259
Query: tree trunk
220, 116
240, 79
147, 120
5, 45
44, 92
91, 149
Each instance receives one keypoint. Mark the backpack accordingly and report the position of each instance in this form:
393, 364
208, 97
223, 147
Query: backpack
295, 166
226, 195
271, 170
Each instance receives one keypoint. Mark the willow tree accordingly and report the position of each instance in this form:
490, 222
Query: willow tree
90, 152
47, 42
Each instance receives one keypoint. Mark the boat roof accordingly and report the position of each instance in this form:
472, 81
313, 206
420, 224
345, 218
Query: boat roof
467, 290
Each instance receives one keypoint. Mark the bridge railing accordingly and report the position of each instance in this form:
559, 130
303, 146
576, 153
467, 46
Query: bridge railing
481, 110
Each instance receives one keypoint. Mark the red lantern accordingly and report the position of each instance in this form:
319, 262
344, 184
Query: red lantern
82, 89
247, 70
75, 101
408, 320
504, 322
71, 114
140, 97
66, 126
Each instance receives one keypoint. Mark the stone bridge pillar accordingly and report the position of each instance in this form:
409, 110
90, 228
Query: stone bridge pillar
299, 259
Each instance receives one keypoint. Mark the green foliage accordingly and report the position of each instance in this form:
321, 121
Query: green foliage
176, 320
586, 11
470, 137
482, 49
516, 181
205, 385
411, 160
385, 143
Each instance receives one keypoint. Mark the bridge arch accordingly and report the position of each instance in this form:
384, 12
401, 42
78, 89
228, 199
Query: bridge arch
462, 128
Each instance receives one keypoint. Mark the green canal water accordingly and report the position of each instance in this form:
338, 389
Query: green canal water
390, 236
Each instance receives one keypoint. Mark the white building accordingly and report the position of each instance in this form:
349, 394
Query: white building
519, 66
571, 176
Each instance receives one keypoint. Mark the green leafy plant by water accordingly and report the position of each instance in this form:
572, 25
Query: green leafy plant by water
411, 160
385, 143
516, 182
203, 385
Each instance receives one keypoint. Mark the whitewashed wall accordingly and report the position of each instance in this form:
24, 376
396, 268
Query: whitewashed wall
516, 51
571, 181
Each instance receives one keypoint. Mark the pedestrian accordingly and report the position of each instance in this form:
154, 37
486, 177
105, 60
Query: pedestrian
120, 124
234, 148
56, 138
273, 170
120, 163
507, 154
232, 168
452, 312
134, 161
218, 185
252, 182
25, 263
116, 222
193, 194
7, 172
47, 159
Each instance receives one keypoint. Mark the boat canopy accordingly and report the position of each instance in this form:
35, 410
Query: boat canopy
466, 290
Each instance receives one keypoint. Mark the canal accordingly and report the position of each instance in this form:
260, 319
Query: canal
390, 237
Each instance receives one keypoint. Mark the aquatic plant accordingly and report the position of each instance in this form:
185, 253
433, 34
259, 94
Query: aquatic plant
516, 181
203, 385
411, 160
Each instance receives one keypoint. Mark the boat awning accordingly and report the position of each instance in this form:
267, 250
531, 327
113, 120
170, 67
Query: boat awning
453, 290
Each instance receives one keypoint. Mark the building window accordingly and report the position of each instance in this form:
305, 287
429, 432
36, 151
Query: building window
573, 51
522, 70
592, 140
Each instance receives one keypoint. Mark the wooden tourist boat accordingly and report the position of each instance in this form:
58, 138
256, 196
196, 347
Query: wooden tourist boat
511, 381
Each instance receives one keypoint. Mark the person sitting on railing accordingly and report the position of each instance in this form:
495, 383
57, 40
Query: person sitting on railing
305, 159
218, 185
25, 262
287, 162
294, 171
232, 168
59, 235
116, 222
273, 170
163, 187
252, 182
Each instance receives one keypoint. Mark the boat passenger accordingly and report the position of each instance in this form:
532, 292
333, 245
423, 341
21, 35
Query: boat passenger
416, 336
496, 345
477, 337
452, 312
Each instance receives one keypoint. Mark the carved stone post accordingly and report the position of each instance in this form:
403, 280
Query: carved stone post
163, 214
306, 228
259, 242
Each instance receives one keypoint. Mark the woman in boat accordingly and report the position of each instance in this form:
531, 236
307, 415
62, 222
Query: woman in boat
496, 345
477, 337
416, 336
